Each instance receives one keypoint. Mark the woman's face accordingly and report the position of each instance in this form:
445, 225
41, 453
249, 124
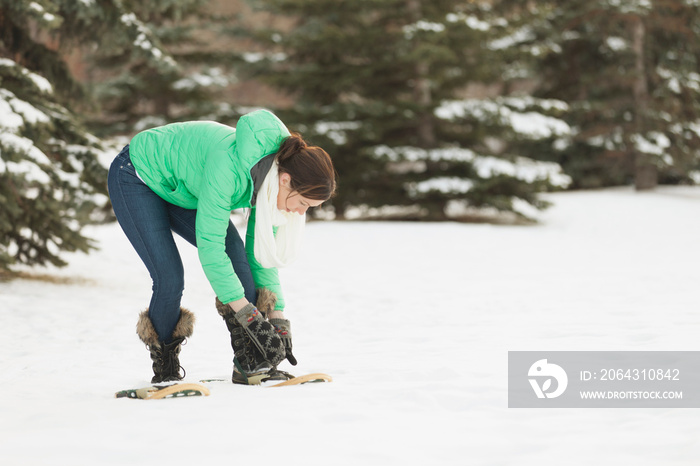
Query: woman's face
291, 201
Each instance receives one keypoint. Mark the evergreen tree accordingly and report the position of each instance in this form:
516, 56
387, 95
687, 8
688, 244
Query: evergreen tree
629, 73
140, 86
51, 183
378, 83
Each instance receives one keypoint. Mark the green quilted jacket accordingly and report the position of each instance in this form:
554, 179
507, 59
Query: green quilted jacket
206, 166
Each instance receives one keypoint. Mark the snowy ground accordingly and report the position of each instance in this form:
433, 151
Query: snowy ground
414, 321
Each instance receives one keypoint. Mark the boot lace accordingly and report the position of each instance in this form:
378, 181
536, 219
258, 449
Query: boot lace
166, 361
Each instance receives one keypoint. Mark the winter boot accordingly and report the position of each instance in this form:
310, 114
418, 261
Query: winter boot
256, 346
165, 356
266, 303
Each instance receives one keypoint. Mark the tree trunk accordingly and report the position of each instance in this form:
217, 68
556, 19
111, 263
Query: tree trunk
421, 91
646, 175
423, 95
645, 170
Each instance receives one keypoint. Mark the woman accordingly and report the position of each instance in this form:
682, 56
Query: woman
187, 178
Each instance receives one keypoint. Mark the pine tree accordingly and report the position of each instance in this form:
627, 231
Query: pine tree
173, 76
51, 182
629, 73
378, 83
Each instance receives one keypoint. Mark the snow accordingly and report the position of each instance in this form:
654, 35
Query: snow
570, 35
443, 184
694, 127
689, 79
255, 57
524, 34
413, 321
522, 168
143, 41
537, 125
654, 143
34, 158
609, 142
674, 85
530, 124
48, 17
365, 212
523, 102
40, 82
15, 112
631, 6
472, 21
426, 26
9, 119
208, 78
336, 130
616, 44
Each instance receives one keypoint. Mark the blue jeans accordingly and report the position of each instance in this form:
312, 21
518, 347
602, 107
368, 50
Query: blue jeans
149, 222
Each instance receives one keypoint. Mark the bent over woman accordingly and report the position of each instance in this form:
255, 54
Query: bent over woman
187, 178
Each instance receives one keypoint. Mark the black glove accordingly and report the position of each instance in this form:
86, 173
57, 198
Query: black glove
284, 330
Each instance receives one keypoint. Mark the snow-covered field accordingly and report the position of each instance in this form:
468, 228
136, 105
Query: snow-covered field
414, 322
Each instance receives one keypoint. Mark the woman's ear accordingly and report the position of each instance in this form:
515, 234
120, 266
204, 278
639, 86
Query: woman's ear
285, 179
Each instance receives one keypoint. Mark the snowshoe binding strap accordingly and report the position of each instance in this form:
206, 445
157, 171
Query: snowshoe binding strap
242, 377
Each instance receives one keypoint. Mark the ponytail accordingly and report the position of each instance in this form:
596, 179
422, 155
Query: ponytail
309, 167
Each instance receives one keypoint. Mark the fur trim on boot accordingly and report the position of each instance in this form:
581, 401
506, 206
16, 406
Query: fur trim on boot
266, 300
185, 326
147, 333
165, 356
223, 309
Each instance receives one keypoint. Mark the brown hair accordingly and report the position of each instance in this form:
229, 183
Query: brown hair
310, 168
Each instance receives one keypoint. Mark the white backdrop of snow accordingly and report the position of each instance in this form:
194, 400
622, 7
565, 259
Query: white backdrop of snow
414, 321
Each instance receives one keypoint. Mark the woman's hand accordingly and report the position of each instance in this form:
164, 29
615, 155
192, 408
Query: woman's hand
262, 334
284, 330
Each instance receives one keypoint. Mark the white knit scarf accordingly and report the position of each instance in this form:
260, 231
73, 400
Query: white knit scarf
275, 250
